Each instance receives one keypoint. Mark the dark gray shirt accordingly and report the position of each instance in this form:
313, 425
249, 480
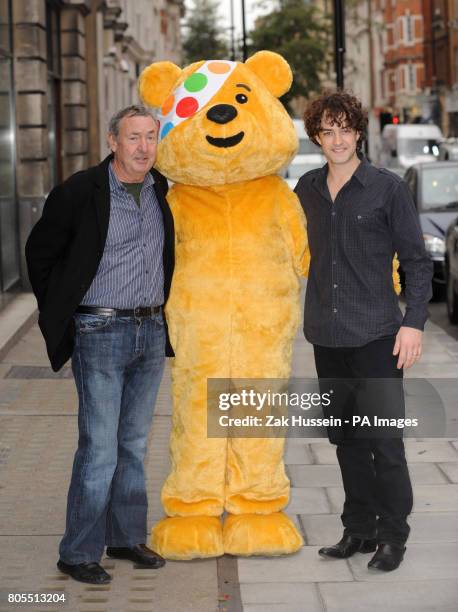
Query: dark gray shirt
350, 299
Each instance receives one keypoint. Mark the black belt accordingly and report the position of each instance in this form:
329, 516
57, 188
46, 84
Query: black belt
141, 311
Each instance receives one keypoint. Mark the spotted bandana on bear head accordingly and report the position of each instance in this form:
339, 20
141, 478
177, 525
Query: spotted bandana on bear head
193, 94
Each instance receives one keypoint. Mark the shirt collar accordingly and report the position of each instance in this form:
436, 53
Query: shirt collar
117, 186
362, 172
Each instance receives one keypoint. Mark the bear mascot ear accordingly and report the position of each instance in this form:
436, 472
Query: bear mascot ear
156, 82
273, 71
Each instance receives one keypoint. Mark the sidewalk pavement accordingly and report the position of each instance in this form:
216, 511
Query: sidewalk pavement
37, 440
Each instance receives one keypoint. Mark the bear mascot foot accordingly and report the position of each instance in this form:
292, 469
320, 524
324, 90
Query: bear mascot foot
188, 537
260, 534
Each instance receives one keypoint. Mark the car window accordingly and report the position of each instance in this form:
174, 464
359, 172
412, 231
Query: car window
418, 146
439, 187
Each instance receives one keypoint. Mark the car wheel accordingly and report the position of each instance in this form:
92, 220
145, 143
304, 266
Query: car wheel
452, 301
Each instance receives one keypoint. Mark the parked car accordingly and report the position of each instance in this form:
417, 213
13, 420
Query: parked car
451, 271
308, 157
448, 150
435, 191
407, 144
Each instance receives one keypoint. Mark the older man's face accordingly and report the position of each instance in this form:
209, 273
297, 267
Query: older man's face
134, 148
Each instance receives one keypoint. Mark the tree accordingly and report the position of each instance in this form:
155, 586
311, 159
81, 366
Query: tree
302, 35
204, 39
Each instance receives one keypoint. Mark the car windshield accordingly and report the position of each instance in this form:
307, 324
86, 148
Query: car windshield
440, 187
410, 147
306, 147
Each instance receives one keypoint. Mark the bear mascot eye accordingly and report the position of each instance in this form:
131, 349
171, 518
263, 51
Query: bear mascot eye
241, 98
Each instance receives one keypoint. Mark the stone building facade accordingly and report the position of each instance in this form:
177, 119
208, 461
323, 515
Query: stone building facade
66, 66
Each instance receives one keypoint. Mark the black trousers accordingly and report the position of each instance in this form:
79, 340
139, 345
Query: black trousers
378, 492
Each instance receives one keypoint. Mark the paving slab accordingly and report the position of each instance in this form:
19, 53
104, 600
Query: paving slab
450, 470
17, 316
329, 475
28, 564
426, 498
304, 566
314, 475
297, 453
430, 451
421, 562
38, 397
325, 529
447, 370
282, 595
324, 453
281, 608
308, 500
435, 498
415, 596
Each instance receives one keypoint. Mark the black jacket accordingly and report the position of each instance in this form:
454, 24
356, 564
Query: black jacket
65, 247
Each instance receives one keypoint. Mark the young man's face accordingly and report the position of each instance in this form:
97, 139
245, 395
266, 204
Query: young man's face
135, 147
338, 143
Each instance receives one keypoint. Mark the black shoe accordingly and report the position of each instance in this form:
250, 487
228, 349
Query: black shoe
92, 573
388, 557
347, 547
139, 554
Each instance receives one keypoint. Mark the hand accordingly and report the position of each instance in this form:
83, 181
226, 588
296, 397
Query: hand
408, 346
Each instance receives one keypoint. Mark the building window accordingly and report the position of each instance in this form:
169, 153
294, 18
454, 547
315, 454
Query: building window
389, 36
408, 30
411, 78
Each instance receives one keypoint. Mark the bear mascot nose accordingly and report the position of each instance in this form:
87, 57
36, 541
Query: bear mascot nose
222, 113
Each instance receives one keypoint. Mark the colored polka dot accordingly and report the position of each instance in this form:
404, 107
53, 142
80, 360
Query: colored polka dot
196, 82
218, 67
168, 104
187, 107
166, 129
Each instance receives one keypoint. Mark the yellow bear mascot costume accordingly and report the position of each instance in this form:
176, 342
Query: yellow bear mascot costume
233, 309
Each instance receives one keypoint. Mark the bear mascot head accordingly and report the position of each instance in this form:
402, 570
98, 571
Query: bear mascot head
221, 121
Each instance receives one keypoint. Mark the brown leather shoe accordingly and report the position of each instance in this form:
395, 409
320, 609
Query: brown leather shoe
348, 546
92, 573
139, 554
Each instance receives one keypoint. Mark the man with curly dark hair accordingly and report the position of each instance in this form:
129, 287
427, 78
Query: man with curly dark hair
358, 217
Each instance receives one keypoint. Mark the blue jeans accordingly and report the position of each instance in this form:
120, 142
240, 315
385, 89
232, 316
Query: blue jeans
117, 364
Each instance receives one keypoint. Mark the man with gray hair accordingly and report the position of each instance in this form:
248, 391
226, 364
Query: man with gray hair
100, 262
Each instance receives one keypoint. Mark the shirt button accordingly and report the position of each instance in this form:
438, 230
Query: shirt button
335, 310
333, 213
335, 286
359, 217
334, 262
146, 271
